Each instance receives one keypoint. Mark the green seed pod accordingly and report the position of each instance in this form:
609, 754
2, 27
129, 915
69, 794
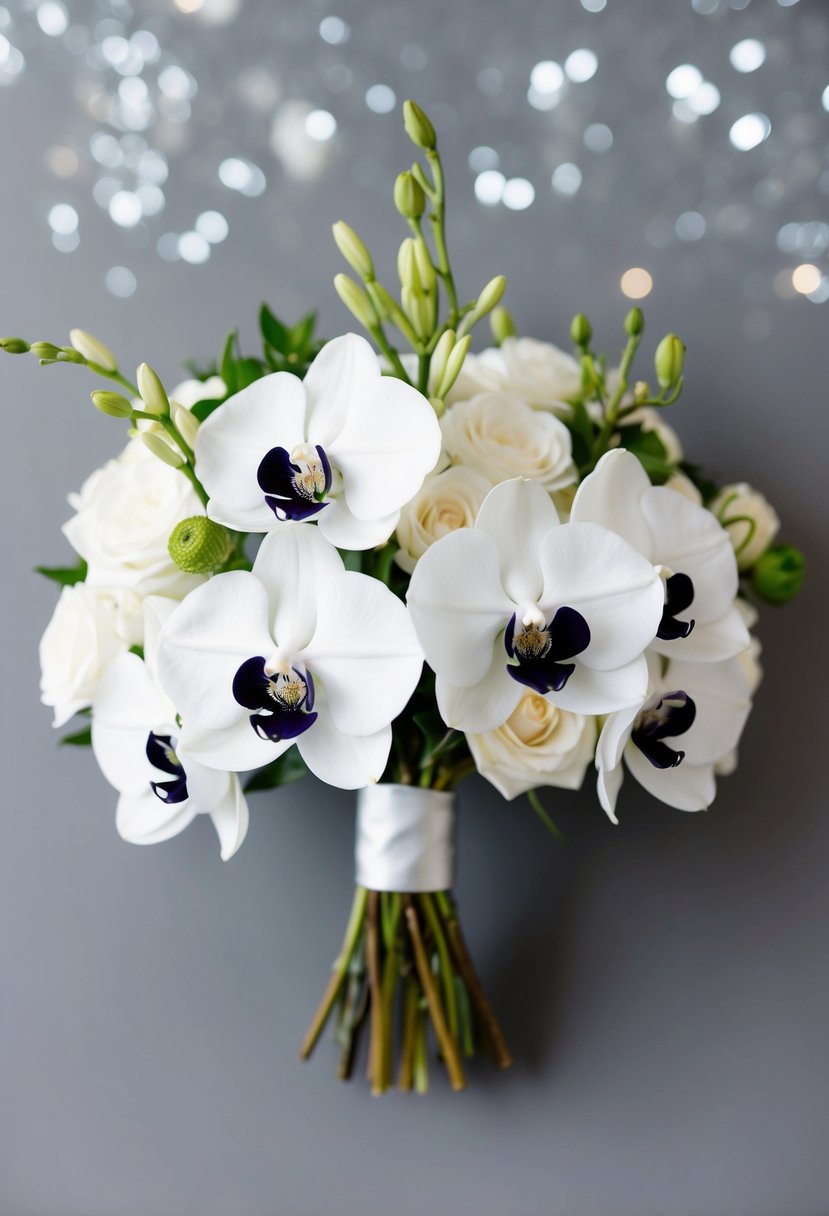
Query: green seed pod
418, 128
409, 198
778, 575
198, 545
114, 405
635, 323
581, 330
14, 346
669, 360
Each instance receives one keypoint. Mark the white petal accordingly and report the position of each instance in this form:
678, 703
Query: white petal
230, 443
614, 735
344, 530
127, 706
205, 641
616, 590
721, 695
603, 692
157, 611
343, 760
243, 519
458, 605
517, 515
390, 441
365, 652
206, 787
688, 539
145, 819
608, 784
230, 819
612, 496
235, 748
688, 787
300, 571
708, 642
486, 705
344, 371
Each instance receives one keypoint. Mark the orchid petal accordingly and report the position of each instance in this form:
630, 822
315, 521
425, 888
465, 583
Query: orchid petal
339, 526
343, 372
723, 702
348, 762
230, 819
603, 692
484, 706
608, 784
708, 642
688, 539
612, 496
259, 518
235, 748
616, 590
300, 571
517, 515
688, 787
127, 705
157, 611
614, 736
145, 819
458, 605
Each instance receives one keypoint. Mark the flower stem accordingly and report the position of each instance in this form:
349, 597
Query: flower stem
446, 1042
439, 230
353, 934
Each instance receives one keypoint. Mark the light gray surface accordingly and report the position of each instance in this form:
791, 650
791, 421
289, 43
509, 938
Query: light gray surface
664, 985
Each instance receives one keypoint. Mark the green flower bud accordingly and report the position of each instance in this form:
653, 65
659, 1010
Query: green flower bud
581, 330
440, 355
438, 405
407, 265
635, 323
355, 300
68, 354
186, 423
45, 350
353, 250
152, 390
93, 350
490, 296
669, 360
162, 449
502, 324
454, 365
409, 198
114, 405
198, 545
14, 346
390, 309
425, 269
778, 575
418, 128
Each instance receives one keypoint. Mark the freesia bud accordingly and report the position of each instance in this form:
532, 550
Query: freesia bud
409, 198
779, 573
353, 249
440, 355
407, 265
669, 360
490, 296
438, 405
581, 330
45, 350
635, 323
152, 390
454, 365
425, 269
93, 350
114, 405
187, 424
502, 324
418, 128
355, 300
162, 449
198, 545
14, 346
68, 354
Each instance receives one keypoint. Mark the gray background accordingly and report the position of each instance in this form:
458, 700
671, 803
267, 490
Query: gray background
664, 984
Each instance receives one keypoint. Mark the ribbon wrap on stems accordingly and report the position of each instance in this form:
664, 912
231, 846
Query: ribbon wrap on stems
405, 839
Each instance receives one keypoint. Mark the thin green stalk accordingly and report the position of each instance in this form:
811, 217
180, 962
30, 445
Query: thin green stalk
444, 962
351, 941
535, 803
439, 229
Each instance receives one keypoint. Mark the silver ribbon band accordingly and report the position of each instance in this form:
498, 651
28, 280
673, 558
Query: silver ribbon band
405, 839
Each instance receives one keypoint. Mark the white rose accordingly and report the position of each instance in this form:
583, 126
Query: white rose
189, 392
749, 519
445, 501
540, 373
681, 484
500, 436
83, 636
125, 513
537, 745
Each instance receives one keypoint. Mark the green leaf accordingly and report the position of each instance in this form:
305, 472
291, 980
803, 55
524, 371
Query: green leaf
352, 560
139, 650
581, 432
274, 332
227, 365
288, 768
66, 576
300, 334
649, 448
248, 370
203, 409
81, 738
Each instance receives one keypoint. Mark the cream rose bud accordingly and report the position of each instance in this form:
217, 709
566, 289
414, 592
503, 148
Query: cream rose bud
749, 519
84, 635
124, 514
544, 376
501, 437
537, 745
682, 484
446, 501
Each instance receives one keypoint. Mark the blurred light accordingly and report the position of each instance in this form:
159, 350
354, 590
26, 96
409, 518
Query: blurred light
152, 167
167, 247
821, 293
120, 282
151, 198
103, 190
705, 7
63, 218
542, 101
566, 178
748, 55
482, 158
62, 161
213, 226
188, 6
682, 112
146, 44
176, 83
320, 125
806, 278
115, 49
547, 76
334, 30
106, 150
593, 6
12, 62
125, 209
682, 81
786, 3
690, 226
381, 99
218, 12
518, 194
581, 65
133, 91
66, 242
52, 18
193, 248
636, 283
824, 100
749, 131
598, 138
243, 176
704, 99
489, 187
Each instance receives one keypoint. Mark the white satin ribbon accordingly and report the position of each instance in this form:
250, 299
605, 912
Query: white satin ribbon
405, 839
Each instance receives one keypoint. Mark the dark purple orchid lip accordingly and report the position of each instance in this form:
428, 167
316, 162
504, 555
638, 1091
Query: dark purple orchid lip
679, 595
295, 489
162, 755
540, 649
669, 715
283, 702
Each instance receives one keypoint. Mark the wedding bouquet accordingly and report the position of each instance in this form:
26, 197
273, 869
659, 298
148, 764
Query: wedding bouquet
286, 537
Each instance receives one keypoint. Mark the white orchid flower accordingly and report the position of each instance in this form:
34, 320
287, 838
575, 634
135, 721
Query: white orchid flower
297, 651
523, 601
692, 552
135, 738
673, 741
346, 447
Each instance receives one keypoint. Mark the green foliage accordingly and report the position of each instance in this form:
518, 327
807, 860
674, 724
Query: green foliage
650, 450
288, 768
582, 434
81, 738
288, 348
65, 576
